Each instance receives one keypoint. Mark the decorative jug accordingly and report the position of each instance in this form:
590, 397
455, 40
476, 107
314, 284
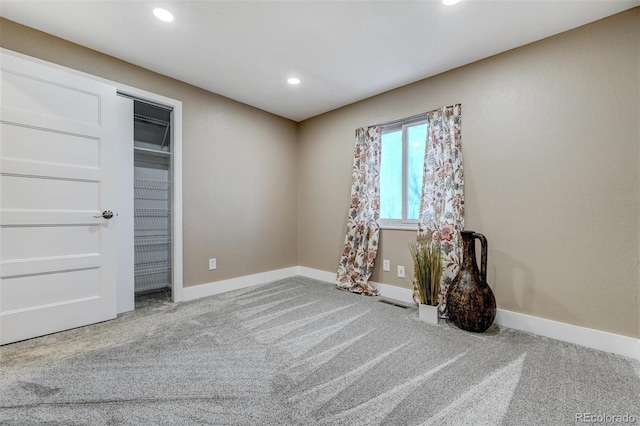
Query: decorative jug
470, 301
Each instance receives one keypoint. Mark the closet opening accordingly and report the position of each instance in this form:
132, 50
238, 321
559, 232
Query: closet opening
152, 134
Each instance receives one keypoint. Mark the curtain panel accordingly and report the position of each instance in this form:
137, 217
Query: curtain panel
442, 206
363, 229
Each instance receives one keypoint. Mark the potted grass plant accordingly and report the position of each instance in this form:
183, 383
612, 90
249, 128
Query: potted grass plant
427, 270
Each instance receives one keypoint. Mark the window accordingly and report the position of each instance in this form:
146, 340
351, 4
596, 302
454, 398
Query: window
401, 170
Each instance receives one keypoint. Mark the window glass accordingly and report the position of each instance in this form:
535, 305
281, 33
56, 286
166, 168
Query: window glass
416, 141
401, 169
391, 175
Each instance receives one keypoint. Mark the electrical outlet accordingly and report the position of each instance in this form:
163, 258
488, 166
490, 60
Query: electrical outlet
212, 264
400, 271
386, 265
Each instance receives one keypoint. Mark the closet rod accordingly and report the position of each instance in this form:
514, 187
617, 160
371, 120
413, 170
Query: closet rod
144, 119
137, 160
135, 98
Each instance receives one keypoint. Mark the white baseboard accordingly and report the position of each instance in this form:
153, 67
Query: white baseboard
387, 291
394, 292
596, 339
217, 287
317, 274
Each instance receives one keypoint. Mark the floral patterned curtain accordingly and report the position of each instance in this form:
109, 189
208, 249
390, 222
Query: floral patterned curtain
363, 230
442, 207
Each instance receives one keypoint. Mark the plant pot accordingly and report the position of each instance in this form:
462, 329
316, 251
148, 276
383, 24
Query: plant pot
428, 313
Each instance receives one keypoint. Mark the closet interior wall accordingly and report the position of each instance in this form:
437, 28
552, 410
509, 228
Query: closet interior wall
152, 197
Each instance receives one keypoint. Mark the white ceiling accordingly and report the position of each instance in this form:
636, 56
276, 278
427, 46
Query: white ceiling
343, 51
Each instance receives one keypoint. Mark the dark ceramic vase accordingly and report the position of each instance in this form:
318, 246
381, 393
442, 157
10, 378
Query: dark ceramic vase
470, 301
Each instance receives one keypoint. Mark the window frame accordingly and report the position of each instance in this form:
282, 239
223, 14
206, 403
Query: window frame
403, 125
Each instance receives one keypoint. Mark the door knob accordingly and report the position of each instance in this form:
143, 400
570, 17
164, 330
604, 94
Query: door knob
107, 214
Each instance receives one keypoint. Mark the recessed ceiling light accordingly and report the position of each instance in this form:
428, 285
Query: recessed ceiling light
293, 80
449, 2
163, 14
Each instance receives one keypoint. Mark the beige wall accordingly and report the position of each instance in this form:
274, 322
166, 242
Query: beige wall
239, 165
550, 143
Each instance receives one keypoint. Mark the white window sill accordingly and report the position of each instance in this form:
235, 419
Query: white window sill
400, 226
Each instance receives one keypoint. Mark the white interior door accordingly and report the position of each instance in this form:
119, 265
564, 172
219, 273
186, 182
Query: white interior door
57, 173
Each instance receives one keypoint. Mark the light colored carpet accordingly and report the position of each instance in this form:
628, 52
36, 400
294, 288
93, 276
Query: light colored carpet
301, 352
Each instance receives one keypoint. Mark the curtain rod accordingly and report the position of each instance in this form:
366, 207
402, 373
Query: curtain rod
406, 119
401, 120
